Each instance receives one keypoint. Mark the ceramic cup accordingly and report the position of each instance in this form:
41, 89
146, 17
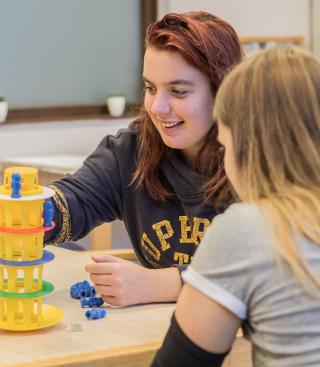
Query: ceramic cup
3, 111
116, 105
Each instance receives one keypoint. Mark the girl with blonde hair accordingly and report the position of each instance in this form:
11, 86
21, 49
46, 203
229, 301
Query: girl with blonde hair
258, 265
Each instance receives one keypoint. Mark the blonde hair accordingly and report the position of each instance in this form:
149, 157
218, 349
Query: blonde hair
271, 103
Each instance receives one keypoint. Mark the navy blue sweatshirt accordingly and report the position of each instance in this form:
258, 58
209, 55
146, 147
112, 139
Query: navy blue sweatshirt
162, 233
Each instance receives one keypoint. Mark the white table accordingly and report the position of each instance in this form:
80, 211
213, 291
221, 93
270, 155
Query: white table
127, 337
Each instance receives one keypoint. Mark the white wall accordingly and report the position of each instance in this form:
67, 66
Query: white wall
55, 138
251, 17
51, 138
69, 52
316, 28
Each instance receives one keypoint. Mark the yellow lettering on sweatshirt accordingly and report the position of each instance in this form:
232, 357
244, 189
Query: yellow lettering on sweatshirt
149, 247
199, 227
185, 230
164, 231
181, 257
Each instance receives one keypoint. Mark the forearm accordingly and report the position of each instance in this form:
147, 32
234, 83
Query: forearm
162, 285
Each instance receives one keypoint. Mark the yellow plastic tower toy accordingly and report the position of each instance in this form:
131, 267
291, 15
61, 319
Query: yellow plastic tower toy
24, 217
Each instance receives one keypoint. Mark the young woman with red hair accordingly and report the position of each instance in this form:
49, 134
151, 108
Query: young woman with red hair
163, 176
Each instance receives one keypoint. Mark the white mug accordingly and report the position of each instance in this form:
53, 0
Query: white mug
116, 105
3, 111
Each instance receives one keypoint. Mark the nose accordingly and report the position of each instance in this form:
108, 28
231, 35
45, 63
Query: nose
160, 104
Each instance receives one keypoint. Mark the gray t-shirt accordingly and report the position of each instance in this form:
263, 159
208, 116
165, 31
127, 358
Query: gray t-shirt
236, 267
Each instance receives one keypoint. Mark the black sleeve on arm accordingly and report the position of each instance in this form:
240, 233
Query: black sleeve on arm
61, 232
179, 351
89, 197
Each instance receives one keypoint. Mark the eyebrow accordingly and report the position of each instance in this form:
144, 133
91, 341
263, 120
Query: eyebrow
174, 82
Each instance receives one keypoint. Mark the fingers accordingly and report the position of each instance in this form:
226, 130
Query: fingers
111, 295
104, 279
103, 264
108, 286
113, 301
105, 290
100, 258
100, 268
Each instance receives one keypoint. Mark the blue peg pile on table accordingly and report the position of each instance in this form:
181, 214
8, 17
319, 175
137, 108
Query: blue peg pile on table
86, 293
96, 313
91, 302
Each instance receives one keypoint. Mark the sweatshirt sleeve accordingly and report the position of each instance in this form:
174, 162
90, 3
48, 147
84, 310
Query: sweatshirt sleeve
88, 197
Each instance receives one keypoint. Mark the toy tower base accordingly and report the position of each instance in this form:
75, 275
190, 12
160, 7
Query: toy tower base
22, 256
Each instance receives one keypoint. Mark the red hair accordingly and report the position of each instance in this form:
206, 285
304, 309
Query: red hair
210, 45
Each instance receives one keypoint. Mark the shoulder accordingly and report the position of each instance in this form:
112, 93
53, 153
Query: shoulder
241, 216
122, 145
128, 136
114, 151
242, 225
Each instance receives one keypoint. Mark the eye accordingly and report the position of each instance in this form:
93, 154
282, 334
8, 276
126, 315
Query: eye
149, 88
179, 93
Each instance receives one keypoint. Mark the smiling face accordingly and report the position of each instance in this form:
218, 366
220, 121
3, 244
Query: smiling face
178, 100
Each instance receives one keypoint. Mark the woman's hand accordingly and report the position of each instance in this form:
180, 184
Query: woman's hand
122, 282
